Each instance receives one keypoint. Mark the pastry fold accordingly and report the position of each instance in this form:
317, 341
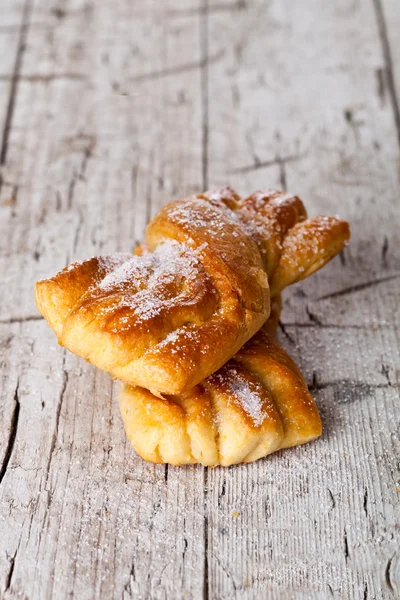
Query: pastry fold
257, 403
169, 318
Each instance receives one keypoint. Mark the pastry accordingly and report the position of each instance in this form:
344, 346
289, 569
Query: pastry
168, 319
257, 403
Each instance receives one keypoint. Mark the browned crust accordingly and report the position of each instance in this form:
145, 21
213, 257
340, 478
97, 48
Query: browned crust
167, 318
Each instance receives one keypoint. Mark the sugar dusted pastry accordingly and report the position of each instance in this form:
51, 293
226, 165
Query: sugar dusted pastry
257, 403
168, 319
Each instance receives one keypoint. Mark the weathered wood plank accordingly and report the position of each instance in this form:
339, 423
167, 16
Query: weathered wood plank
296, 96
103, 133
13, 24
120, 107
388, 22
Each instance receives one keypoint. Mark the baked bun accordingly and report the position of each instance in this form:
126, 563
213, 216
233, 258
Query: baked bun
257, 403
168, 319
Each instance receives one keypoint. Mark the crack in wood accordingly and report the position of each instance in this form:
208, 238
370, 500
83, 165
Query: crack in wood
178, 70
346, 546
33, 469
205, 537
280, 161
366, 591
332, 500
166, 473
55, 432
155, 508
387, 56
38, 78
80, 173
185, 546
12, 435
78, 230
380, 81
222, 493
385, 248
23, 32
10, 572
229, 575
313, 317
354, 122
212, 9
149, 195
16, 28
132, 576
6, 342
41, 531
267, 509
359, 287
134, 198
365, 501
12, 320
282, 327
282, 174
204, 75
385, 370
388, 576
31, 521
315, 382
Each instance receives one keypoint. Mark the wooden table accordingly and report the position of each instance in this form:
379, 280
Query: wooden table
108, 109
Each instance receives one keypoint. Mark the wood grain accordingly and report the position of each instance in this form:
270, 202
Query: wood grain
108, 110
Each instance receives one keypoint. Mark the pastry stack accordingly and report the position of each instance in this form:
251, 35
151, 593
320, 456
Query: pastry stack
187, 323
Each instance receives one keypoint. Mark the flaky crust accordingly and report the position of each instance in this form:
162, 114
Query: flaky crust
171, 317
255, 404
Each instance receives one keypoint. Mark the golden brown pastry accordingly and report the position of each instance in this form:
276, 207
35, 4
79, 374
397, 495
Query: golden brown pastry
168, 319
255, 404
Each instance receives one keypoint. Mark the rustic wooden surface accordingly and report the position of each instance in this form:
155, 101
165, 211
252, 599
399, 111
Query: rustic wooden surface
108, 110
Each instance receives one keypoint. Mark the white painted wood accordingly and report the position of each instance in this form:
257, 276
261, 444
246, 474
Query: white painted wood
388, 22
299, 83
118, 107
12, 33
88, 518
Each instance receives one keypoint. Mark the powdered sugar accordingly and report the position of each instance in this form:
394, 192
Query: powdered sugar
154, 283
105, 263
207, 216
168, 260
177, 339
248, 393
249, 397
